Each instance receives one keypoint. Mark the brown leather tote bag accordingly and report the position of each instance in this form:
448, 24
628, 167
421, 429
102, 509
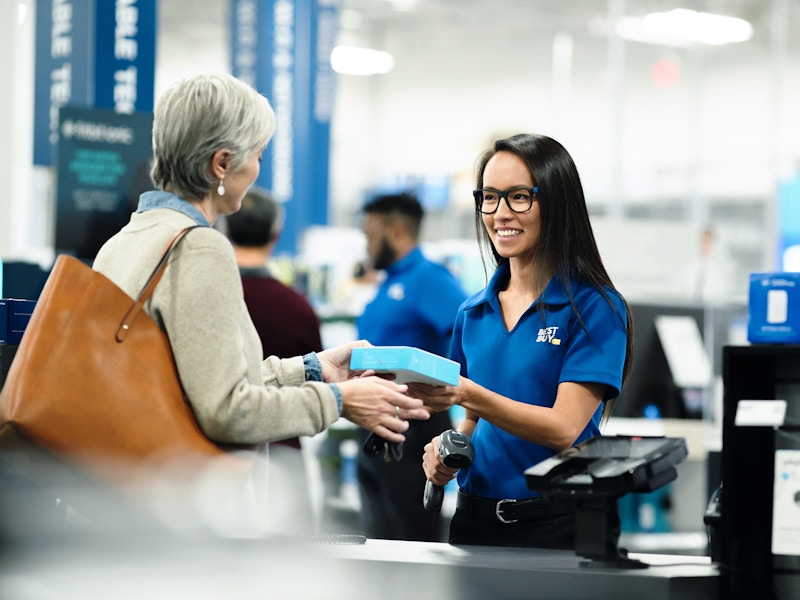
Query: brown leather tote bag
94, 381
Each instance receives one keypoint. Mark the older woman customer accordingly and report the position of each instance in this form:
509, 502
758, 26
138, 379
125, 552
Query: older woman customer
209, 132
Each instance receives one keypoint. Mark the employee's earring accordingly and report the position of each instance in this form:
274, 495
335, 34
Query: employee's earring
221, 188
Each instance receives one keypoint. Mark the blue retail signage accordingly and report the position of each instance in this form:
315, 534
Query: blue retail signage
125, 55
283, 48
91, 53
63, 65
257, 43
103, 160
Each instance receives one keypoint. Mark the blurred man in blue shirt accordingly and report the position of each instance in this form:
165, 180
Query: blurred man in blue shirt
415, 305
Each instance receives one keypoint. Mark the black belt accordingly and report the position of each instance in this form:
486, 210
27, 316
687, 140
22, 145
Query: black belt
505, 511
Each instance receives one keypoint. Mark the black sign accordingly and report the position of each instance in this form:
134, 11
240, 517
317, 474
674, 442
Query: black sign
103, 164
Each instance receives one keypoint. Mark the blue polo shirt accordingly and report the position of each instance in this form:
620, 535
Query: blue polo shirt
527, 364
415, 305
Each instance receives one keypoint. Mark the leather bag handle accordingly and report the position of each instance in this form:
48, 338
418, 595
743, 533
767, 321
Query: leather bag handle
150, 285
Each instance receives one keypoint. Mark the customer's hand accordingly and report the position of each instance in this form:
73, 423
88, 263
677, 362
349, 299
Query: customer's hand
435, 469
380, 405
336, 361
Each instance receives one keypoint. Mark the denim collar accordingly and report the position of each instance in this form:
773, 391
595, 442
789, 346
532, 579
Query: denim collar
159, 199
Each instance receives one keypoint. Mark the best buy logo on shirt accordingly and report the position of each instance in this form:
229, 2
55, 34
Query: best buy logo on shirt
548, 336
396, 291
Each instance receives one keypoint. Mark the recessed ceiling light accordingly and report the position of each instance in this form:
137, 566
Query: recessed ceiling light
705, 28
349, 60
682, 27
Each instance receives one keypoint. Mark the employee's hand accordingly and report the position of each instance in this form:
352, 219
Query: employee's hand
380, 405
435, 469
438, 398
336, 361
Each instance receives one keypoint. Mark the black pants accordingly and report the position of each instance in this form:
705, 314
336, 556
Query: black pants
391, 492
552, 528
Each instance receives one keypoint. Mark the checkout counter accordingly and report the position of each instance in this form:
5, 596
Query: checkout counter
123, 554
484, 572
390, 570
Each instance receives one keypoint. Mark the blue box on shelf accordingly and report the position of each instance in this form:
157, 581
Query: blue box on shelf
774, 308
408, 364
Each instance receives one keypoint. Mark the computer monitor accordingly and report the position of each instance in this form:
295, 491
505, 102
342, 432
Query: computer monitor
653, 388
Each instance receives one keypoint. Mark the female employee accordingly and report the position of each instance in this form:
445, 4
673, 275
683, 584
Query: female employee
209, 132
544, 348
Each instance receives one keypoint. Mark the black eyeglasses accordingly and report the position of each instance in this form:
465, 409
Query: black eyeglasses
518, 199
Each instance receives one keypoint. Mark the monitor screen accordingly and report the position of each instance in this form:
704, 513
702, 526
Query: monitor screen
623, 448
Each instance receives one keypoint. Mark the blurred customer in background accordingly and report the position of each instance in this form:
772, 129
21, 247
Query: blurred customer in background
544, 348
287, 325
415, 305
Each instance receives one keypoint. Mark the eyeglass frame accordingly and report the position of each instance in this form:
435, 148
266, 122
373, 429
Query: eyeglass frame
504, 195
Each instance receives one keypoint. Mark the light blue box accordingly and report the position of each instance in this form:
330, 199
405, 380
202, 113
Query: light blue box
774, 308
407, 363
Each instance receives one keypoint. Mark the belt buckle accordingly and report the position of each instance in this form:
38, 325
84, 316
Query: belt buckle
499, 508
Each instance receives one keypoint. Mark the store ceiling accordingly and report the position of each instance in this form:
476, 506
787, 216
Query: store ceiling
373, 19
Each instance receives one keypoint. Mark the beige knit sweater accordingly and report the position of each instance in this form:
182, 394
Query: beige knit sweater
236, 397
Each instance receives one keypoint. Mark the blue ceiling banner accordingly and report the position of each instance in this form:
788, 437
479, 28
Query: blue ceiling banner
283, 48
91, 53
63, 64
254, 41
315, 93
125, 55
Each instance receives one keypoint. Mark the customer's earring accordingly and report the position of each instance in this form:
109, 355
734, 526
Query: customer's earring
221, 188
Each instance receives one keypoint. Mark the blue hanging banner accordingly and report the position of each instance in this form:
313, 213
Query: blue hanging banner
317, 23
90, 53
125, 55
63, 65
255, 38
283, 48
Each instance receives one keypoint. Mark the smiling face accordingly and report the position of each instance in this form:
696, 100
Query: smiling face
514, 235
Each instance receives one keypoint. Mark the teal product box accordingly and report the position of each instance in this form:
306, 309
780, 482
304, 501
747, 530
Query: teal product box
407, 363
774, 308
19, 313
3, 321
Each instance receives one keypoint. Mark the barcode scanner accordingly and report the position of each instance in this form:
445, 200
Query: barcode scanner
456, 451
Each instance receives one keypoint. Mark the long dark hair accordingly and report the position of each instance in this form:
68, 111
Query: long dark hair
566, 248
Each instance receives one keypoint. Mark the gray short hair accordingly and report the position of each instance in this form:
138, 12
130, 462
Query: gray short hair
196, 117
